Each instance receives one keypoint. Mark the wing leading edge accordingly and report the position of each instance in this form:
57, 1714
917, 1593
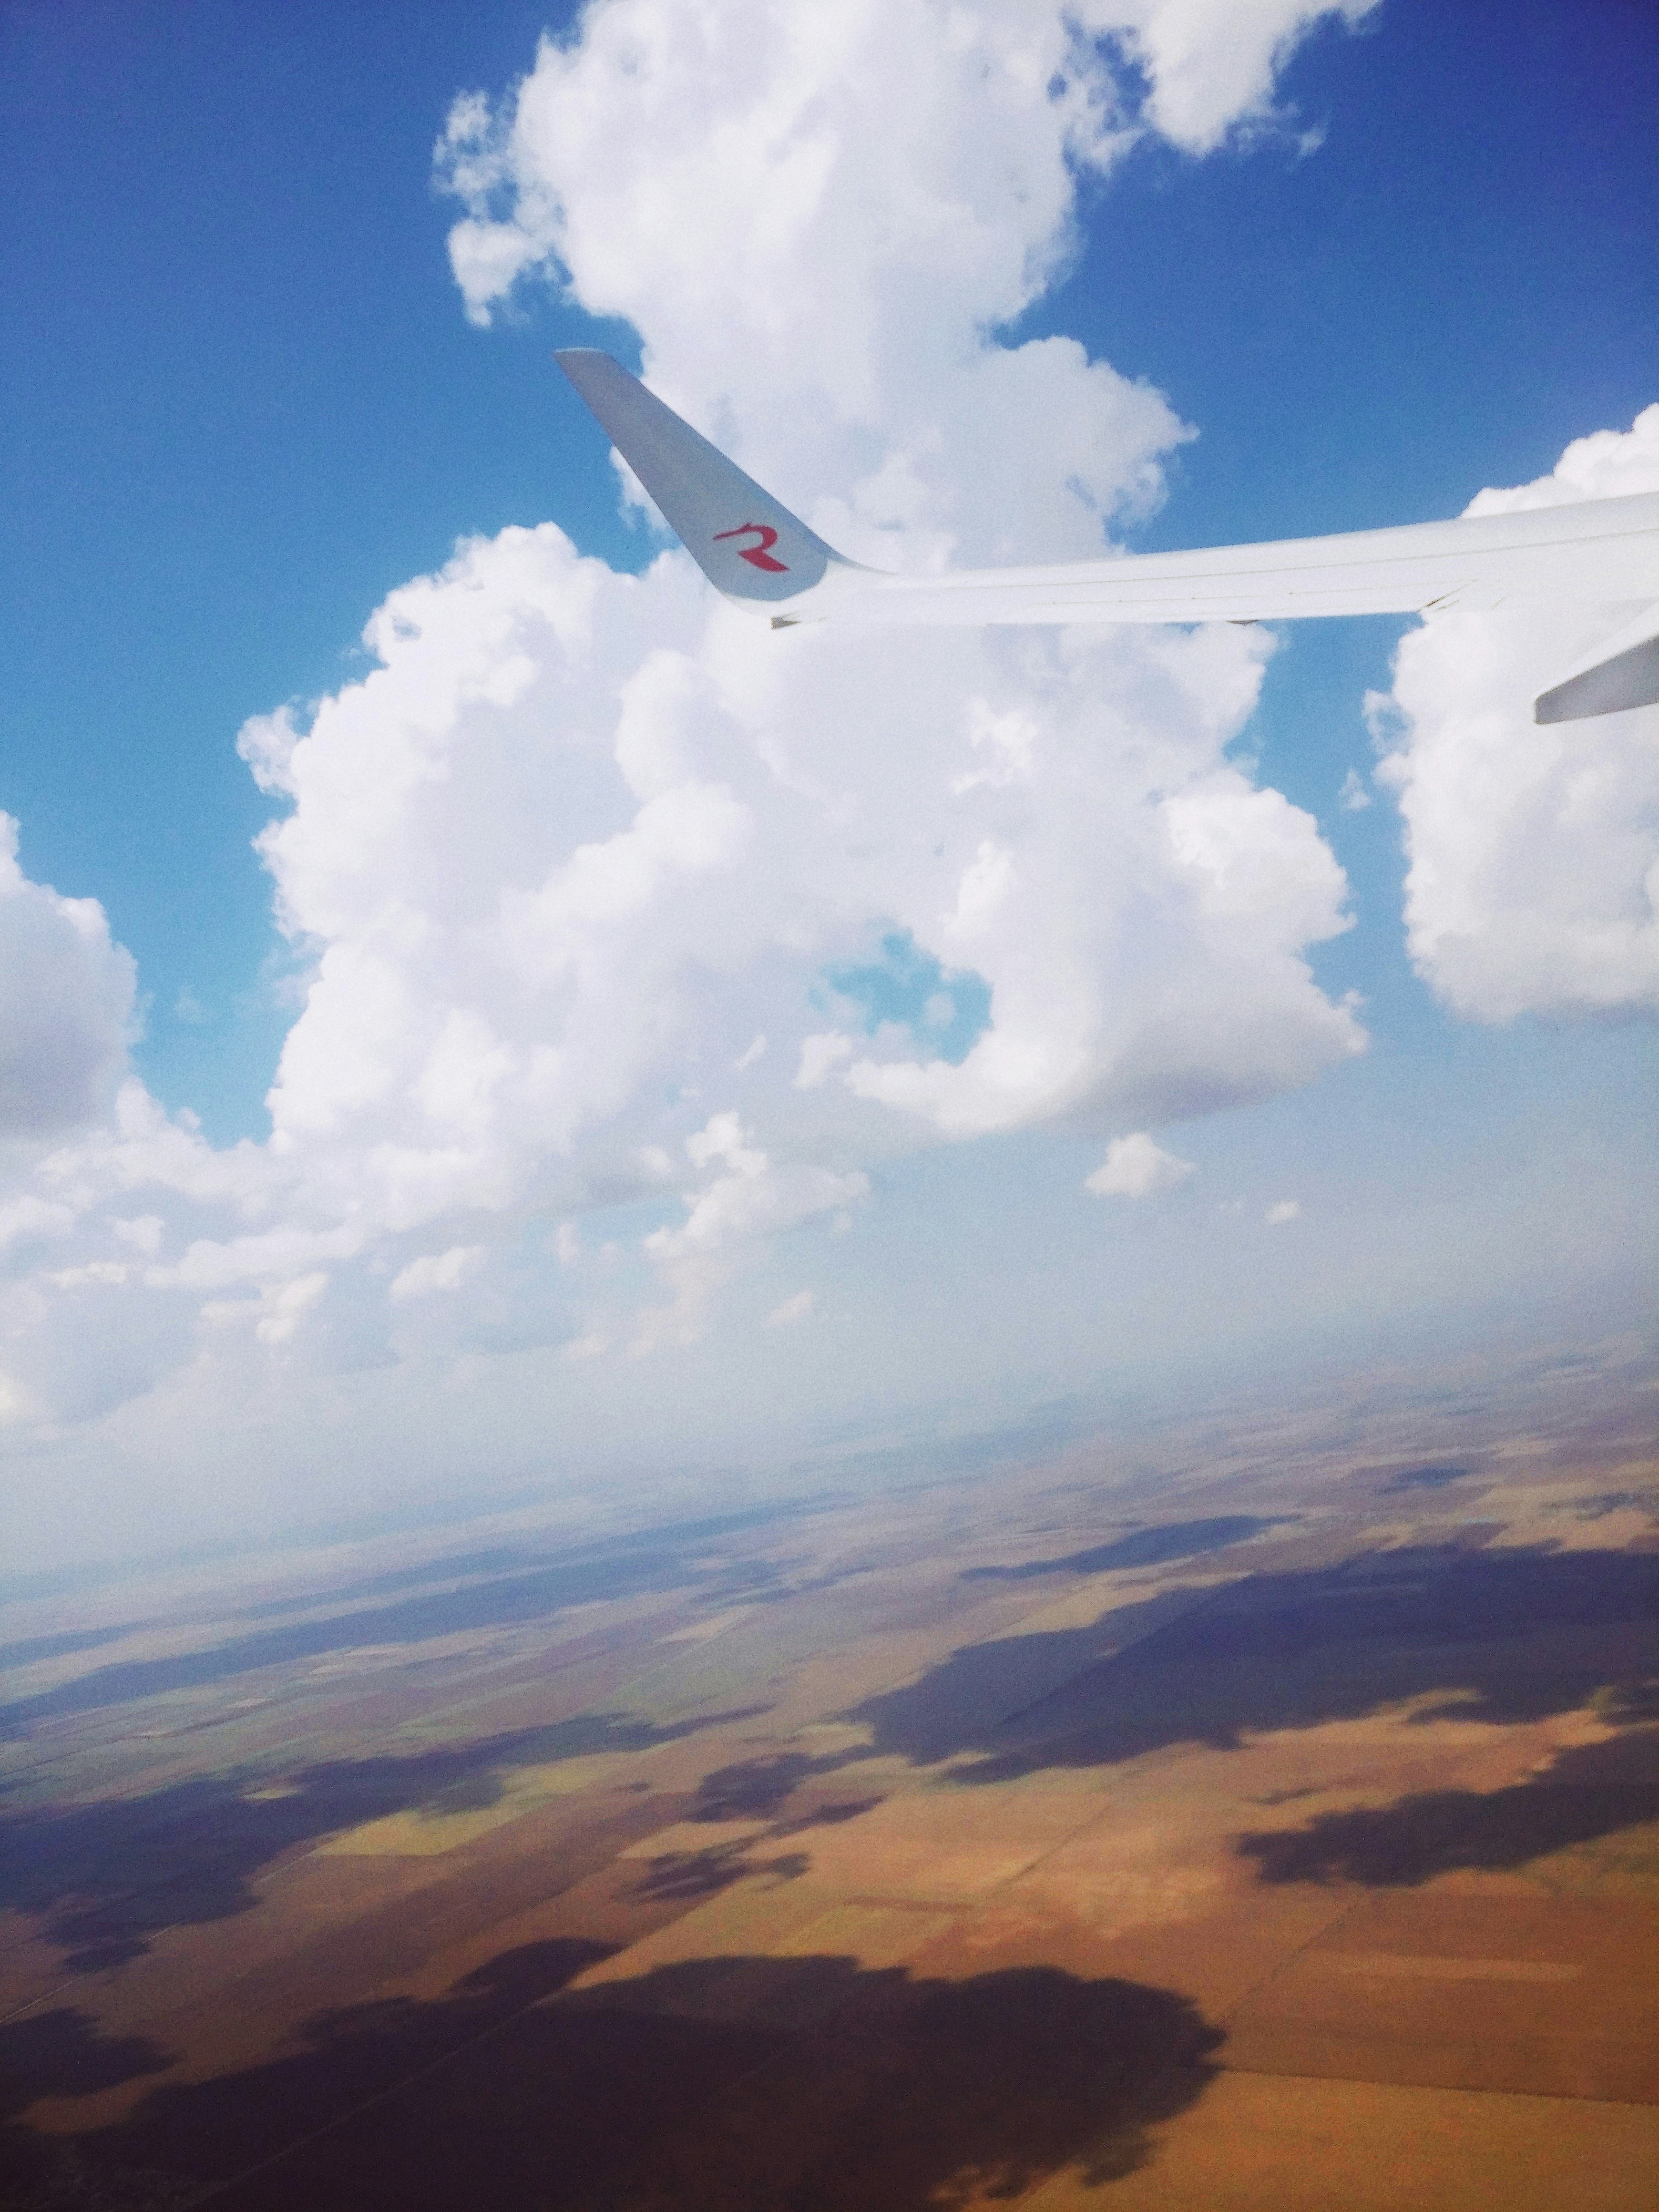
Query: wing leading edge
757, 554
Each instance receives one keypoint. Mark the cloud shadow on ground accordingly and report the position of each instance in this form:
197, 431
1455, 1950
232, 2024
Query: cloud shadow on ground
1140, 1547
241, 2117
105, 1877
1423, 1477
718, 2085
61, 2053
1490, 1635
1586, 1794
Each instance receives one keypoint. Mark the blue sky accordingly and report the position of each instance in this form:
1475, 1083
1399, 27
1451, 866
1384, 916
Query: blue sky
241, 405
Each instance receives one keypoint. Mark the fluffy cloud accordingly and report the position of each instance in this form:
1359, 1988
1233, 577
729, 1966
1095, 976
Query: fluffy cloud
1211, 75
612, 898
66, 1002
747, 1199
1135, 1167
1534, 878
813, 215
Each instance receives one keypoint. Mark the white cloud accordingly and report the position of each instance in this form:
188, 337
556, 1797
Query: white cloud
29, 1218
1354, 797
750, 1201
437, 1271
1533, 885
819, 1054
578, 839
66, 1003
143, 1232
791, 1310
1286, 1209
287, 1305
1135, 1167
1212, 69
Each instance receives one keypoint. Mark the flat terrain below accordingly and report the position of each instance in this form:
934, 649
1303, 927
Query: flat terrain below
1268, 1817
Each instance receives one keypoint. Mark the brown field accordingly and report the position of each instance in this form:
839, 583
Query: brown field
1267, 1818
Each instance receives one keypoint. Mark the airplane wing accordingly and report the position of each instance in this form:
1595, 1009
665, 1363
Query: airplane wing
759, 554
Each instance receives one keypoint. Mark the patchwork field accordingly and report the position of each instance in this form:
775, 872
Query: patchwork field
1268, 1817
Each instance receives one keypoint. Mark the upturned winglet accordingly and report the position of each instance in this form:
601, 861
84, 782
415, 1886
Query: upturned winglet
746, 542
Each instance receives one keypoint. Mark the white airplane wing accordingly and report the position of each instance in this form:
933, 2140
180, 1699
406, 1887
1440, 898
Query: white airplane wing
760, 556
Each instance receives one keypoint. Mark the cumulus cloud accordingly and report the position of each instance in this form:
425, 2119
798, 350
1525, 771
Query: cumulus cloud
1211, 73
1285, 1210
66, 1003
1135, 1167
1533, 883
764, 121
747, 1198
609, 898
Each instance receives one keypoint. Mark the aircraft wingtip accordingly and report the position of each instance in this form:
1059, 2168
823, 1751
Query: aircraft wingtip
747, 544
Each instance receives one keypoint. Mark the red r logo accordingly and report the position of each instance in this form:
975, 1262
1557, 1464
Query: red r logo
758, 555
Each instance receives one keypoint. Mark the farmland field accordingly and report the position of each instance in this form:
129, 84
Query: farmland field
1268, 1817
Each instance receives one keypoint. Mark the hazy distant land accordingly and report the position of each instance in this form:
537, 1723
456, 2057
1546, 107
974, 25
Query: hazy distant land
1263, 1815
